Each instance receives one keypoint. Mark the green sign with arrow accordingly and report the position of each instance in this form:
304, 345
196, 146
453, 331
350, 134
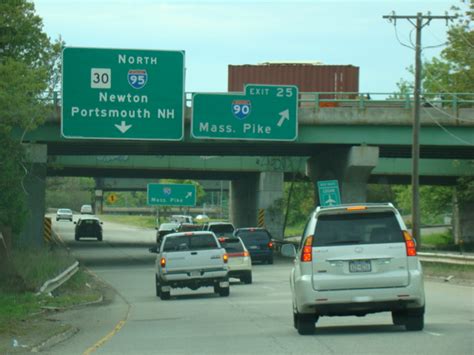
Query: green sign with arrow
122, 94
262, 112
171, 194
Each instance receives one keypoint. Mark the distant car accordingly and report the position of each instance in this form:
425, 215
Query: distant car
356, 260
164, 229
258, 242
179, 218
87, 209
189, 227
88, 227
240, 264
220, 229
64, 213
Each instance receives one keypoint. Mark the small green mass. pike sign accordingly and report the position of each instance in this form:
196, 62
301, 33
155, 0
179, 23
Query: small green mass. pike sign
171, 194
122, 94
262, 112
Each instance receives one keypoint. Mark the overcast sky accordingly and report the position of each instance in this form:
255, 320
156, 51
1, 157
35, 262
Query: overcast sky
214, 34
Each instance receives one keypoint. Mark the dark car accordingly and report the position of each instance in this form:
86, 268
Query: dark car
220, 229
258, 242
164, 229
189, 227
88, 227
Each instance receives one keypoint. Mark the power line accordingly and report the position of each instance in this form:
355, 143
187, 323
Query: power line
418, 21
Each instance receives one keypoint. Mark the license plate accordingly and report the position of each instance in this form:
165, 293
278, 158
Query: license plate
253, 247
360, 266
195, 273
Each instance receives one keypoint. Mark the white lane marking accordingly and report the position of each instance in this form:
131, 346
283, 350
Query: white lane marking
432, 333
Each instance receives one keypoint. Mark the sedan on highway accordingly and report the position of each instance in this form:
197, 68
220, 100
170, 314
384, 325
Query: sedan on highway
64, 213
240, 264
88, 227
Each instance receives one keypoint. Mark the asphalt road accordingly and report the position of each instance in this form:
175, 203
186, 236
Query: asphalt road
255, 318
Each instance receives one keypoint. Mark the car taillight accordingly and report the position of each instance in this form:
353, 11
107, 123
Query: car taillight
409, 243
307, 254
270, 245
246, 253
163, 262
225, 257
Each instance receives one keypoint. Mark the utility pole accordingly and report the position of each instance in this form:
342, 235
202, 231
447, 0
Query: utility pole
419, 21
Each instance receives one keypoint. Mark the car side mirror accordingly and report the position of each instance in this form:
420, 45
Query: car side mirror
288, 250
154, 250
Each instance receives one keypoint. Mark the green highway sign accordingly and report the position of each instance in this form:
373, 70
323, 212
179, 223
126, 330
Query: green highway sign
122, 94
329, 193
171, 194
262, 112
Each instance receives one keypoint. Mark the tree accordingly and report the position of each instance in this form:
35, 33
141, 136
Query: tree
28, 59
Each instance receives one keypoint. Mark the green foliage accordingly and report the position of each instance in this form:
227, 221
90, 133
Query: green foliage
435, 202
27, 61
301, 203
380, 193
69, 192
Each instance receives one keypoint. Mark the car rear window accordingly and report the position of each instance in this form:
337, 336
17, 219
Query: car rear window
191, 242
221, 228
254, 237
89, 221
232, 245
357, 228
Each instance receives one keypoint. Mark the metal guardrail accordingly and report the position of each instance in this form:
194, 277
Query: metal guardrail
54, 283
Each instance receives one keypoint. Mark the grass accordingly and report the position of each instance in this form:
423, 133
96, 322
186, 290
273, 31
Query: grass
438, 239
138, 221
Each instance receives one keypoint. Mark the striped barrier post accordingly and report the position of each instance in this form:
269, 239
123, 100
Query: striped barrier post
261, 217
47, 230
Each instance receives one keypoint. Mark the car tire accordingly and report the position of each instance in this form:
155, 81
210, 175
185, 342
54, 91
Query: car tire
224, 291
397, 318
270, 261
295, 320
57, 219
415, 319
76, 238
165, 295
247, 279
305, 323
99, 238
157, 286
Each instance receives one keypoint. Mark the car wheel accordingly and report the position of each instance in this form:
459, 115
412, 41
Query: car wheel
397, 318
305, 323
57, 219
415, 319
247, 279
157, 286
76, 238
295, 320
270, 261
224, 291
165, 295
99, 238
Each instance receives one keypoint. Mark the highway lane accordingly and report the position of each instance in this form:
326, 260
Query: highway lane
253, 319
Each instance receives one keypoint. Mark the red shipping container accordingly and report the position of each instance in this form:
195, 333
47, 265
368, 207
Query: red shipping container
308, 77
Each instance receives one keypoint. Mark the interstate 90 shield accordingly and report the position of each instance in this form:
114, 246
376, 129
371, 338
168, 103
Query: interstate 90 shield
241, 109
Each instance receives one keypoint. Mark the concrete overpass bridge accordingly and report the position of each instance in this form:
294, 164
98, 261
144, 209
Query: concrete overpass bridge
354, 143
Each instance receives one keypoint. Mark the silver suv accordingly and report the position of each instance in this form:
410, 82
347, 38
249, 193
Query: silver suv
356, 260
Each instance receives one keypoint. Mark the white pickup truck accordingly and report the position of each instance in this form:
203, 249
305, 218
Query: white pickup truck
193, 260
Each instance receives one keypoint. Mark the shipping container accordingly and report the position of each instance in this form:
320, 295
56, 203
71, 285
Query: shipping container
309, 77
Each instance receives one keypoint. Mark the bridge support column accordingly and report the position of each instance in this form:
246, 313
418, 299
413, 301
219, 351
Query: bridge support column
99, 201
35, 188
270, 199
243, 202
263, 191
350, 166
463, 221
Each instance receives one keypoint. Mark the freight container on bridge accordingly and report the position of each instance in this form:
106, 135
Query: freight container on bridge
308, 76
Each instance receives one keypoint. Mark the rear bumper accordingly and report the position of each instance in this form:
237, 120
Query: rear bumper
193, 283
261, 255
357, 301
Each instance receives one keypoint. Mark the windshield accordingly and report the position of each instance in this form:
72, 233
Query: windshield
192, 242
357, 228
254, 237
232, 246
221, 228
